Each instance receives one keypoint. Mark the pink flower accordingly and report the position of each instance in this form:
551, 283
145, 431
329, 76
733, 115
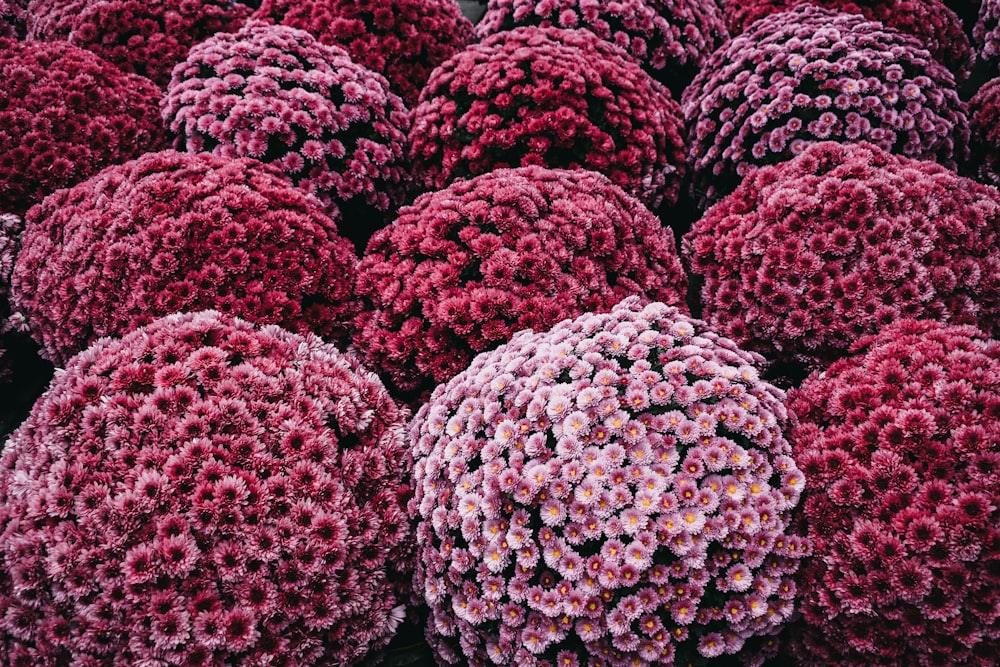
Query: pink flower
166, 544
606, 533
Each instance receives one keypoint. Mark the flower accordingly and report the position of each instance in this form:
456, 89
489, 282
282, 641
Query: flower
403, 40
146, 37
808, 256
276, 94
812, 74
671, 40
227, 547
932, 22
649, 581
903, 570
171, 232
548, 97
65, 114
12, 16
986, 33
463, 269
984, 121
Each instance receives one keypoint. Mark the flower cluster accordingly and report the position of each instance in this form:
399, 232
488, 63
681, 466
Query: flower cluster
466, 267
671, 40
403, 40
901, 445
146, 37
810, 255
984, 121
203, 492
554, 98
615, 491
932, 22
276, 94
64, 115
986, 33
12, 17
172, 232
809, 75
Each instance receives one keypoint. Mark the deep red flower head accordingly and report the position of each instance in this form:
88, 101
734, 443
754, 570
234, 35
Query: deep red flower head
810, 75
554, 98
935, 25
276, 94
671, 39
900, 443
172, 232
146, 37
462, 269
204, 492
403, 40
809, 255
64, 115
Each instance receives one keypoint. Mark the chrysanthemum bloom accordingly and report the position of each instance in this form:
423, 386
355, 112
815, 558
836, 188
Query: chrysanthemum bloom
671, 39
174, 232
12, 17
614, 491
986, 33
809, 75
932, 22
901, 445
984, 120
64, 115
146, 37
466, 267
810, 255
403, 40
554, 98
204, 492
276, 94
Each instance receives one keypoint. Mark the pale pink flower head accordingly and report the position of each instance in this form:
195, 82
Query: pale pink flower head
590, 545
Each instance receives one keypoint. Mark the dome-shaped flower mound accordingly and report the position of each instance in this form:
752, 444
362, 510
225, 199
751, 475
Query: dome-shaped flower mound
984, 121
466, 267
203, 492
554, 98
671, 40
276, 94
809, 75
810, 255
147, 37
901, 445
612, 492
932, 22
173, 232
64, 115
403, 40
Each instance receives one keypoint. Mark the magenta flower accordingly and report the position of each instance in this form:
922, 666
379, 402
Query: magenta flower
554, 98
173, 232
932, 22
403, 40
809, 255
984, 121
276, 94
902, 570
811, 74
278, 533
146, 37
64, 115
463, 269
671, 40
12, 17
596, 552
